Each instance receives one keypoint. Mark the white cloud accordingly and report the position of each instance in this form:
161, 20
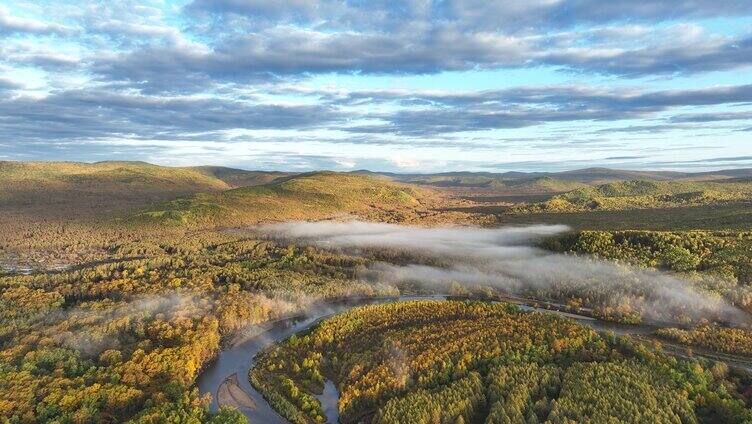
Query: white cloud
10, 24
404, 162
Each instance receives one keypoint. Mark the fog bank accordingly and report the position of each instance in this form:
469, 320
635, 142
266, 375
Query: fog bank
507, 259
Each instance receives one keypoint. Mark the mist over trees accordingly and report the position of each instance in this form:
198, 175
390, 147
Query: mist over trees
510, 260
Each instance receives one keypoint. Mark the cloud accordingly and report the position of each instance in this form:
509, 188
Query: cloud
682, 56
725, 159
712, 116
292, 51
300, 10
92, 114
633, 98
227, 70
648, 129
510, 15
134, 24
28, 54
108, 113
456, 242
529, 106
8, 85
10, 24
624, 157
564, 14
258, 40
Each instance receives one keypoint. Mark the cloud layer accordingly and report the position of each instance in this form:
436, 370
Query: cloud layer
333, 76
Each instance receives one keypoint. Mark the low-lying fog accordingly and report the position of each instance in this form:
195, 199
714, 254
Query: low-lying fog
508, 259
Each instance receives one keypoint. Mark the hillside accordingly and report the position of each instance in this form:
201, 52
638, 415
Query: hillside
590, 176
315, 195
100, 174
53, 188
121, 283
543, 184
241, 178
61, 213
641, 194
605, 175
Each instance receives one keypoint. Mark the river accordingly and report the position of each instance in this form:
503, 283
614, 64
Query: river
238, 359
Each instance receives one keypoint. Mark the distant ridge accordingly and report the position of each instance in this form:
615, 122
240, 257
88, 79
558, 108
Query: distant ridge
128, 172
155, 181
594, 175
75, 189
241, 178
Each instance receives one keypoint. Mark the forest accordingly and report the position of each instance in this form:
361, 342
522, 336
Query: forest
452, 361
125, 340
728, 340
641, 194
721, 260
120, 283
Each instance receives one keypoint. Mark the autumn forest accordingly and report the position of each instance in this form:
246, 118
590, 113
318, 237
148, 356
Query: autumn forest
132, 292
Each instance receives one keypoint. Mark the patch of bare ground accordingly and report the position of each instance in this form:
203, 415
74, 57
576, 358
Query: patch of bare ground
230, 393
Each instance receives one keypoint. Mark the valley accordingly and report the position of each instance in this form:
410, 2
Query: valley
138, 293
375, 212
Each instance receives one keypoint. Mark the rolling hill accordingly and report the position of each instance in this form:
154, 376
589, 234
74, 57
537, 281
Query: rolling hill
83, 188
316, 195
591, 176
61, 171
240, 178
538, 184
118, 175
643, 194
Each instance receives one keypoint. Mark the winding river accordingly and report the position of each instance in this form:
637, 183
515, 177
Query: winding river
233, 364
239, 358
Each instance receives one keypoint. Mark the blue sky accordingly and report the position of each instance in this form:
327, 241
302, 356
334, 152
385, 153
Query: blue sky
413, 86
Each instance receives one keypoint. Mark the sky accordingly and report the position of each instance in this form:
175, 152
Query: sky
409, 86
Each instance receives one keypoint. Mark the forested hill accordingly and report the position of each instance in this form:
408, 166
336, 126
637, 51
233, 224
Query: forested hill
645, 194
33, 182
517, 185
234, 177
467, 362
591, 176
81, 187
540, 183
314, 195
